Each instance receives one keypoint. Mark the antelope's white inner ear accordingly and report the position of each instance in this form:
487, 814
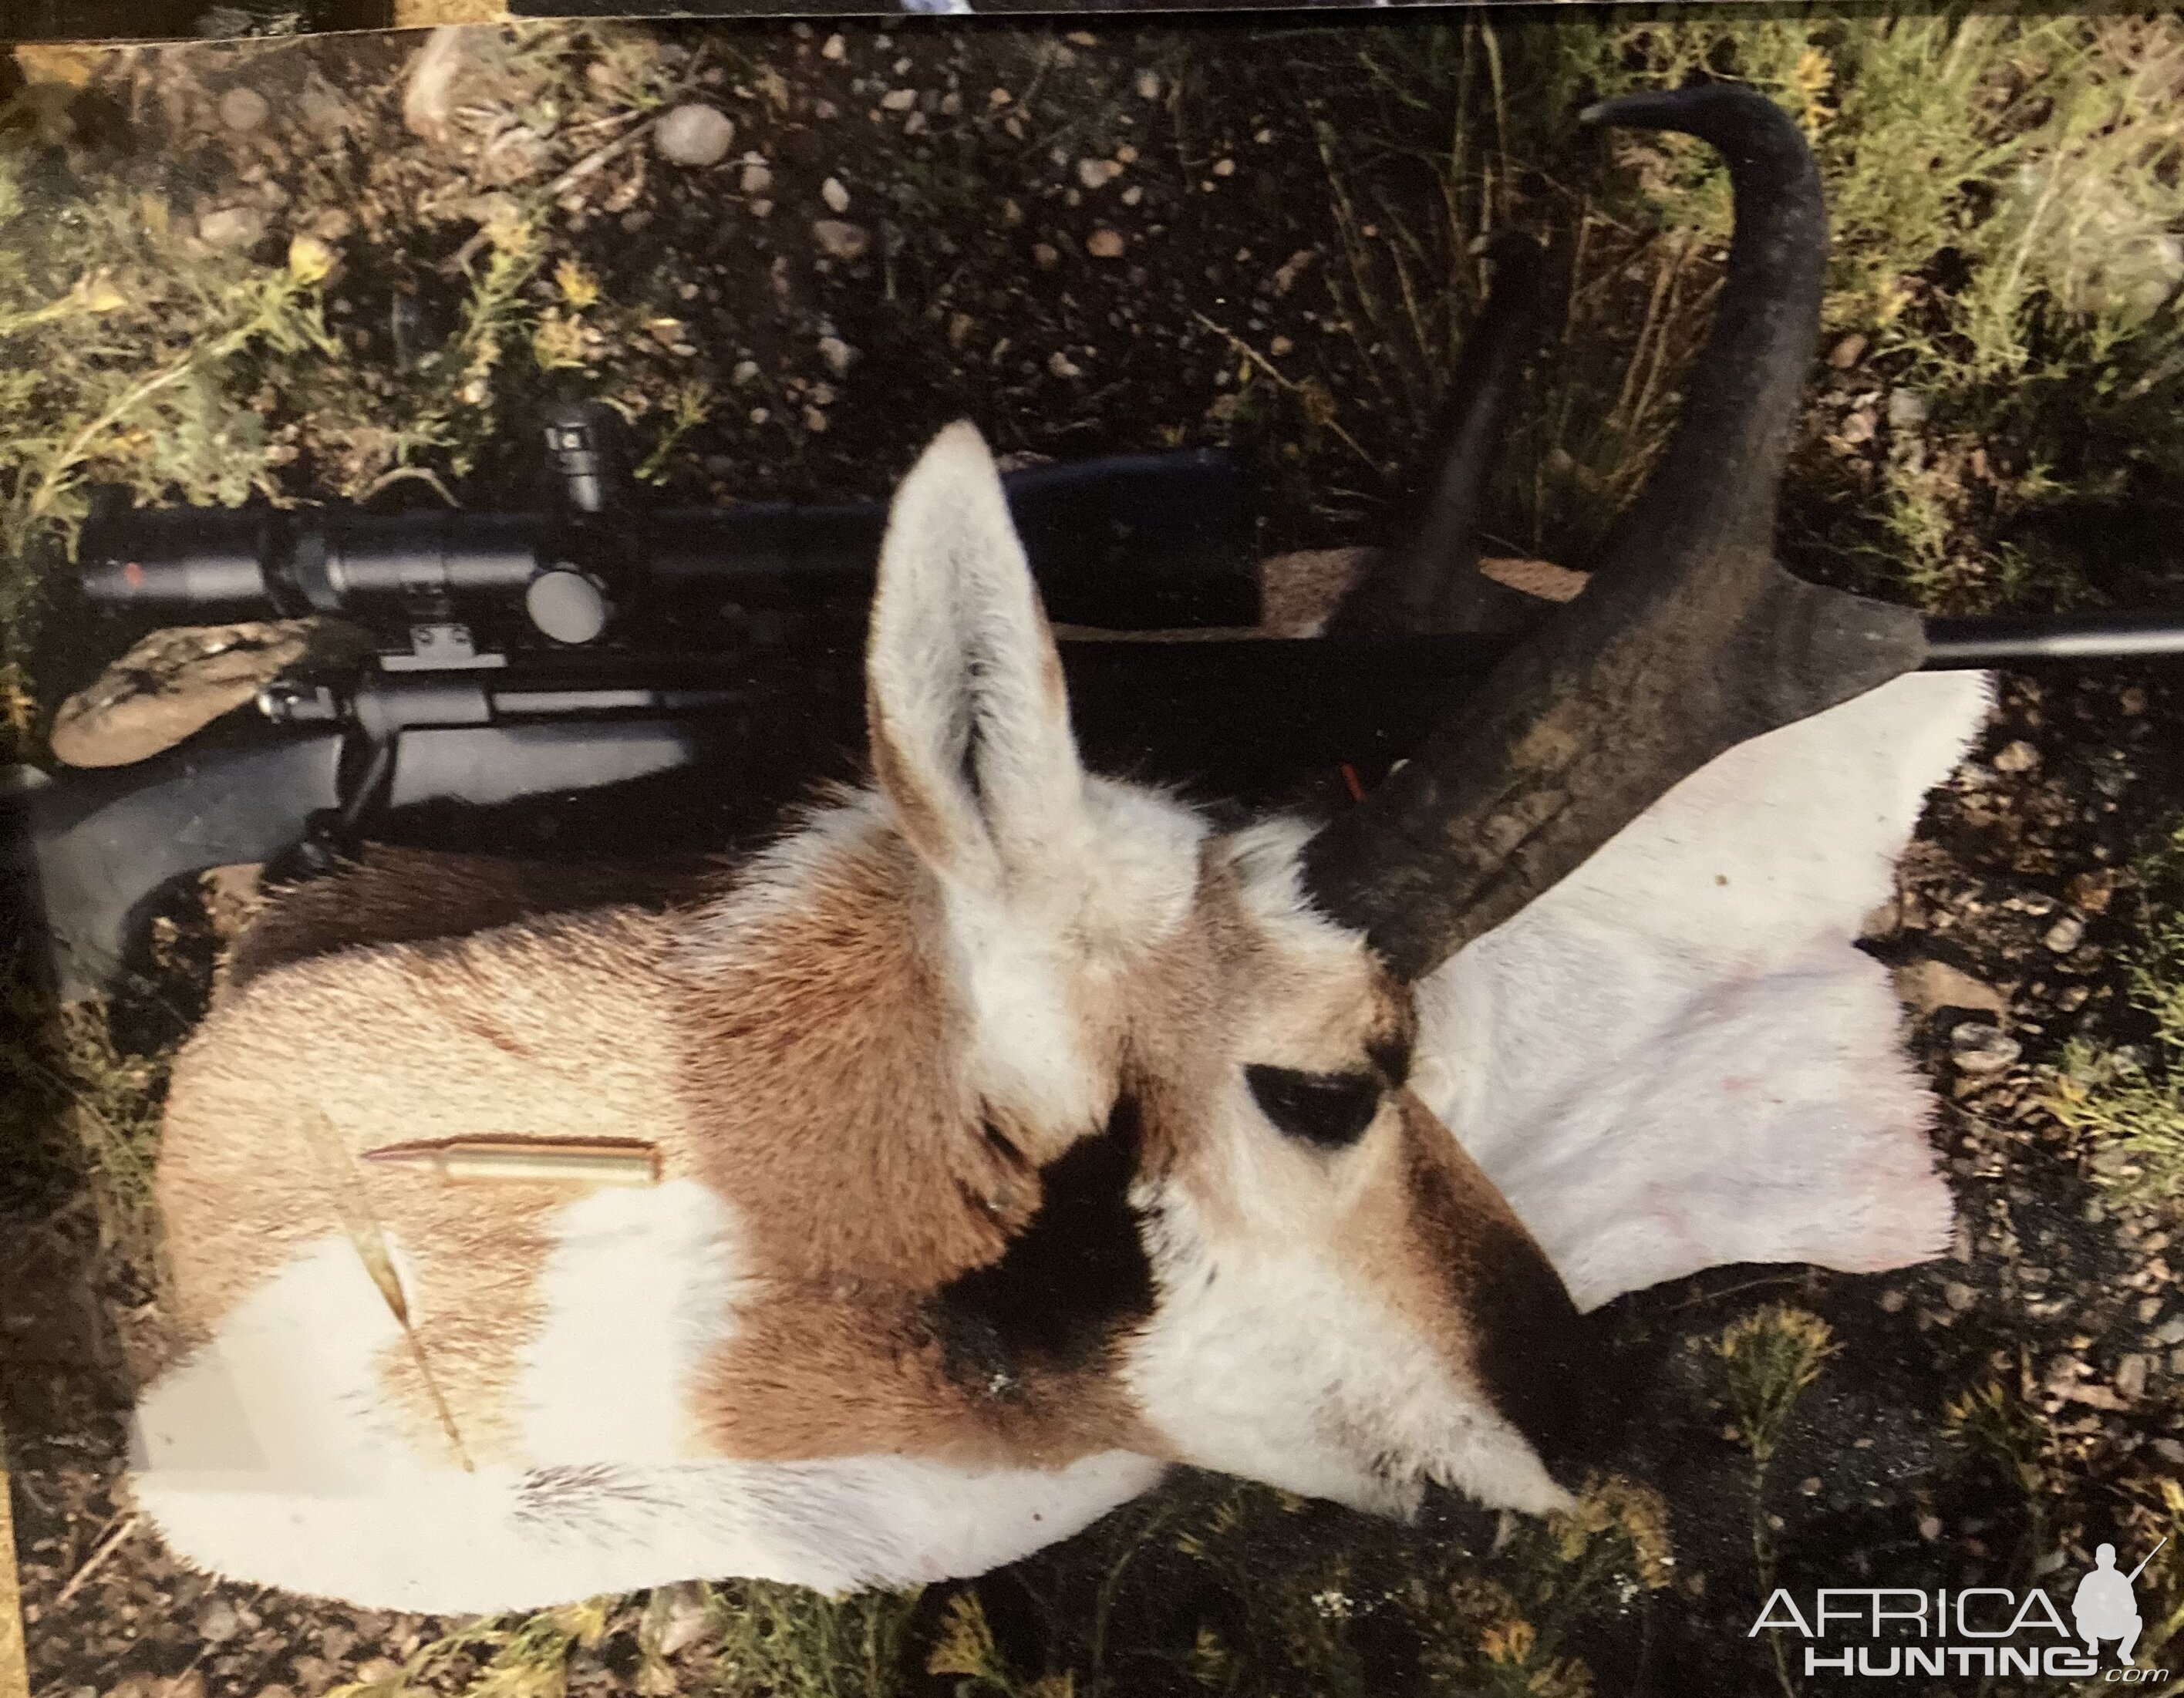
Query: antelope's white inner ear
964, 695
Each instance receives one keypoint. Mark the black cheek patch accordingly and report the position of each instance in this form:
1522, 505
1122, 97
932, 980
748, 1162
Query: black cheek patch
1073, 1279
1330, 1109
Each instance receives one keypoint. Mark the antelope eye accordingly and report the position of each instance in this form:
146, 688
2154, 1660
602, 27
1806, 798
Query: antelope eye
1330, 1109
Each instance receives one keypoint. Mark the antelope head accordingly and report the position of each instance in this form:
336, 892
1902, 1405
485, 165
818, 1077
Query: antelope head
1020, 1129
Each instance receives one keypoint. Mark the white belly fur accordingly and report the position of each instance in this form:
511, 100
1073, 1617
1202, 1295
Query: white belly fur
272, 1457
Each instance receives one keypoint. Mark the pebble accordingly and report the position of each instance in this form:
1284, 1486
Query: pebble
1132, 195
999, 96
1979, 1048
1097, 173
1060, 364
899, 100
746, 371
838, 240
833, 47
1149, 85
815, 421
1907, 409
1103, 244
244, 108
760, 209
276, 1690
217, 1622
1844, 354
2169, 1450
756, 179
836, 197
1959, 1295
233, 226
837, 353
2065, 934
2019, 756
694, 134
1046, 255
1930, 985
1892, 1301
2171, 1331
1224, 168
2130, 1375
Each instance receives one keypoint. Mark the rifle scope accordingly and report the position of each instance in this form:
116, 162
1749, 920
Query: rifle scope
1141, 542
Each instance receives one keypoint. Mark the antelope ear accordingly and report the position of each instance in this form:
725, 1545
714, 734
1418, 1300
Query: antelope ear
964, 697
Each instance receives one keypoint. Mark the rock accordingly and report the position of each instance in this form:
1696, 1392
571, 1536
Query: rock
178, 681
1541, 580
1930, 1528
217, 1622
745, 373
1907, 409
1060, 364
1224, 168
1893, 1301
1299, 593
2169, 1451
694, 134
1046, 255
380, 1670
757, 178
1844, 353
2130, 1375
1105, 244
838, 355
1858, 427
835, 48
899, 100
1097, 173
838, 240
313, 1674
234, 227
836, 197
2019, 756
2065, 934
1927, 987
1979, 1048
1149, 85
1959, 1295
2171, 1331
244, 108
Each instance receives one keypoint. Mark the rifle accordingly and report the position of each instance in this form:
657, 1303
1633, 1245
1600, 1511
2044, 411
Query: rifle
593, 679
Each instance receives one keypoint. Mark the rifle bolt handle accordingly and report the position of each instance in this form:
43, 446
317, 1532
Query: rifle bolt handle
566, 606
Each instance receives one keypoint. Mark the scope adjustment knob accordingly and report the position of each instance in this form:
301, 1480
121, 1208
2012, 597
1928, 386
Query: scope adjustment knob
566, 606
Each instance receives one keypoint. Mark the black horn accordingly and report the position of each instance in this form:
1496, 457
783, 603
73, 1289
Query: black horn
1429, 580
1690, 638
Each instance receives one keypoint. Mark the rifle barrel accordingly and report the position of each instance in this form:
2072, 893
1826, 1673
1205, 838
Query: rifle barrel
1961, 644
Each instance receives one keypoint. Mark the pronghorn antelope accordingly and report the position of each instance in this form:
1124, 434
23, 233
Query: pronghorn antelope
1020, 1132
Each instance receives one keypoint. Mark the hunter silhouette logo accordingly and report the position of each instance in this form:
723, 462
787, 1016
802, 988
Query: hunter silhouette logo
2105, 1606
1988, 1631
